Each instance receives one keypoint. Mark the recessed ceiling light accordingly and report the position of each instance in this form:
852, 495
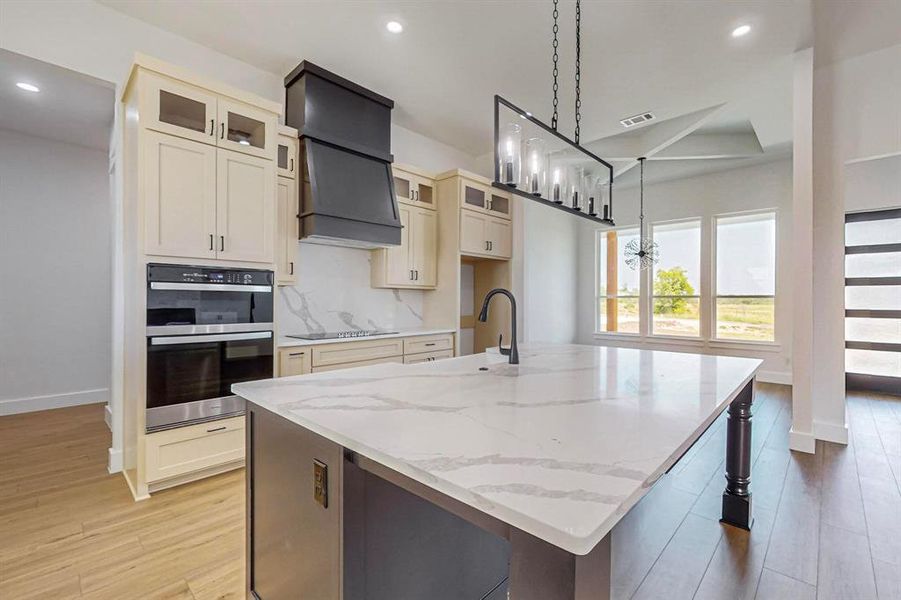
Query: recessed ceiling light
741, 30
394, 27
28, 87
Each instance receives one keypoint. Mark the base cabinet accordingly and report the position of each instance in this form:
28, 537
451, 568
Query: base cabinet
294, 361
185, 453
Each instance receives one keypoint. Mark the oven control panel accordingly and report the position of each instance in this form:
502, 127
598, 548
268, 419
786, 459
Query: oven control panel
189, 274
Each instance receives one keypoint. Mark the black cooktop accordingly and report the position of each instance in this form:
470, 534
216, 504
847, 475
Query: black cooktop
337, 335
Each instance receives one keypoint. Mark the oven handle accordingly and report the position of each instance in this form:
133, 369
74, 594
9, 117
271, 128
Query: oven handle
199, 339
209, 287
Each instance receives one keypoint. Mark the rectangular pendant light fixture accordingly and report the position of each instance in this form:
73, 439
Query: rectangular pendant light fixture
535, 161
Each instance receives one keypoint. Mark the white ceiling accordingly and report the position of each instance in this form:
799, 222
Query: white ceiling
70, 107
672, 58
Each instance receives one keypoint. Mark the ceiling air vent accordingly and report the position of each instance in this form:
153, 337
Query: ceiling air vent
638, 119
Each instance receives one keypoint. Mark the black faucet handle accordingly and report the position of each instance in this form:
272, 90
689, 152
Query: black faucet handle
504, 351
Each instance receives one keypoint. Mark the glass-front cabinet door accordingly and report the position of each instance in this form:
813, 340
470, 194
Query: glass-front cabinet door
474, 196
499, 204
245, 128
425, 193
180, 109
286, 156
404, 185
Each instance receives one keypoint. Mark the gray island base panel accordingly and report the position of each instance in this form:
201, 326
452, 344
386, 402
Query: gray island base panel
472, 478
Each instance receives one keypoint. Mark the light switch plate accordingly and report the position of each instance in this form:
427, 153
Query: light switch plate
320, 483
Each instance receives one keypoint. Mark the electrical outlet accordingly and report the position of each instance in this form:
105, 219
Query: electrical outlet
320, 483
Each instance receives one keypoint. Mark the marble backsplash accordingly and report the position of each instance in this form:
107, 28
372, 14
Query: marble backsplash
333, 294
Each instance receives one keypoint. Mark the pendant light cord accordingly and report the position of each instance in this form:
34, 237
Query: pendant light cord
641, 200
578, 66
556, 72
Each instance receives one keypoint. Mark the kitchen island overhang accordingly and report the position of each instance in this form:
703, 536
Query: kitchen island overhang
553, 451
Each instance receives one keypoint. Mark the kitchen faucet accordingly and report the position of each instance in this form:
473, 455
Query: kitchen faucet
512, 351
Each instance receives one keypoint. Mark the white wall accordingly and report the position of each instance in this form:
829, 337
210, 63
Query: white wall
55, 275
873, 184
856, 114
550, 274
755, 187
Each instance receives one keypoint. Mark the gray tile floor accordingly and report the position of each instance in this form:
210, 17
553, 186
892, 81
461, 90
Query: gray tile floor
828, 526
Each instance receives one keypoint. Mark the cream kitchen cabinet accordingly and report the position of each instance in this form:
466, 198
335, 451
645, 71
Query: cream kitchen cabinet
287, 233
245, 207
204, 202
413, 264
414, 187
189, 111
286, 155
294, 360
484, 235
287, 208
180, 197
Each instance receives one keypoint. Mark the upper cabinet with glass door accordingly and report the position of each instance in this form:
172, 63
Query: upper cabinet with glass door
194, 112
414, 186
478, 196
286, 154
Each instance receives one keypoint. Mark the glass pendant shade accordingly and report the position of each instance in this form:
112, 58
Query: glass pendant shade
576, 188
536, 167
558, 188
509, 154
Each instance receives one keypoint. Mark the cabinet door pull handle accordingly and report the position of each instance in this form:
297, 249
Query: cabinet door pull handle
296, 354
417, 275
430, 344
211, 241
292, 268
212, 127
221, 243
292, 166
222, 130
216, 429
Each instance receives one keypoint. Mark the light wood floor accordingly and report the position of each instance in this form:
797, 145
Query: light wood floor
828, 526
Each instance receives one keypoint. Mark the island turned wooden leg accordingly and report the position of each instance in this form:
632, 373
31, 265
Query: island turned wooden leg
737, 496
542, 571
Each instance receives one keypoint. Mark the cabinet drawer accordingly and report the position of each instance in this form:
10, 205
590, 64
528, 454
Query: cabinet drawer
428, 343
359, 363
346, 352
294, 361
412, 359
187, 449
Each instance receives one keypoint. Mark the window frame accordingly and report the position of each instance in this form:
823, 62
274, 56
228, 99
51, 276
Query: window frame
649, 277
714, 296
600, 238
707, 307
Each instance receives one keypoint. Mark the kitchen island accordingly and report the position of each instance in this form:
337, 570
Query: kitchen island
468, 477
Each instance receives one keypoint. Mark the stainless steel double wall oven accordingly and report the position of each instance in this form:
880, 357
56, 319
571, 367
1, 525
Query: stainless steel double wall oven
207, 328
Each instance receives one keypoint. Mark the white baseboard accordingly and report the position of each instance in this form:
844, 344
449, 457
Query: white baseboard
781, 377
108, 416
14, 406
830, 432
802, 441
115, 461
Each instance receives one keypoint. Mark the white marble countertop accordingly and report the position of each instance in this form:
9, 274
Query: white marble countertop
286, 342
560, 446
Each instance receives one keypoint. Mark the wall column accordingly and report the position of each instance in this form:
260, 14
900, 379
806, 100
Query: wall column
801, 436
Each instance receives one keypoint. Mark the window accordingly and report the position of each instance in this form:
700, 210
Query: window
676, 285
746, 277
618, 285
873, 300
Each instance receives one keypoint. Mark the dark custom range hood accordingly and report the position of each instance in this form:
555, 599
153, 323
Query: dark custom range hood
347, 193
